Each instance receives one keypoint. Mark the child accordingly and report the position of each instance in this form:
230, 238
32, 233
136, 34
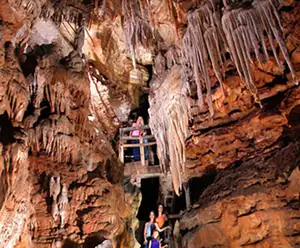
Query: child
154, 242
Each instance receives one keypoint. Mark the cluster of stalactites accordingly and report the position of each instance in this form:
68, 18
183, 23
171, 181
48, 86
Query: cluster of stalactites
56, 139
137, 28
169, 117
32, 8
240, 30
14, 92
203, 43
170, 129
73, 12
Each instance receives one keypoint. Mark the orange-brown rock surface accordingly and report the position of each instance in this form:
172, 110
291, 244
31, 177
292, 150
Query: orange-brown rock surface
72, 71
61, 181
255, 204
252, 201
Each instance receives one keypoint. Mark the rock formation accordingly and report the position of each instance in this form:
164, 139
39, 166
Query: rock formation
222, 78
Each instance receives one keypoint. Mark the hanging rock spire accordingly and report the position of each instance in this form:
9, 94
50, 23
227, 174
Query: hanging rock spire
240, 28
138, 32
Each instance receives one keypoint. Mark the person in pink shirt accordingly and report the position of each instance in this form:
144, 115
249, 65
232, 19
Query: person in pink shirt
137, 133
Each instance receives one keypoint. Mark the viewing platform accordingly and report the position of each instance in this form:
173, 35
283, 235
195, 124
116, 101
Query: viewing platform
141, 168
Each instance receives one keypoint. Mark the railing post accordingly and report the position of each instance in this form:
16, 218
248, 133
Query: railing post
187, 195
121, 148
142, 151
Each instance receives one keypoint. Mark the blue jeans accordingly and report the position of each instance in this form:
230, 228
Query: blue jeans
146, 149
136, 151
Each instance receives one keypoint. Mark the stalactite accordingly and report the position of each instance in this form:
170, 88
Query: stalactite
32, 8
56, 139
102, 8
17, 87
72, 11
136, 28
244, 29
172, 56
241, 28
169, 117
202, 42
80, 36
58, 97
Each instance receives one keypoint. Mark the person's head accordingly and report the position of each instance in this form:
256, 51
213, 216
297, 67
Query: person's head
140, 121
152, 215
155, 234
160, 209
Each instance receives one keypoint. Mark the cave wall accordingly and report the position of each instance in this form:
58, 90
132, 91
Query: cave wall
49, 132
253, 200
254, 204
248, 147
71, 74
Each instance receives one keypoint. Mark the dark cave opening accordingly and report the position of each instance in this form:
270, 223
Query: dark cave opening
94, 239
142, 110
150, 70
199, 184
178, 203
6, 129
6, 137
29, 59
291, 132
70, 244
150, 193
294, 116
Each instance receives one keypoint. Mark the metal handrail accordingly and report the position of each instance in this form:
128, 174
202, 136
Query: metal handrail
136, 137
126, 129
141, 144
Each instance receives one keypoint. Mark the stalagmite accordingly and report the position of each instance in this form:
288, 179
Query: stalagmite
172, 56
159, 64
62, 205
56, 189
63, 198
55, 211
52, 186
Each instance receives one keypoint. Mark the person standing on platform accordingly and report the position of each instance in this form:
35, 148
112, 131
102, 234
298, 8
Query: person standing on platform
137, 133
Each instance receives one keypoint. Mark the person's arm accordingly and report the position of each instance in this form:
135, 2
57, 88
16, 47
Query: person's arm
150, 243
145, 240
162, 246
166, 218
161, 229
